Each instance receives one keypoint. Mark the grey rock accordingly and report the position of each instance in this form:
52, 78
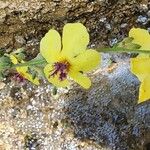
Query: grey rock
108, 113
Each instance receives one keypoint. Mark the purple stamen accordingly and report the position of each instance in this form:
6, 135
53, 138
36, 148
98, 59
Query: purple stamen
19, 78
61, 69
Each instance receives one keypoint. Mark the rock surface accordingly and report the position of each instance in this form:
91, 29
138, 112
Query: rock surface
24, 22
105, 117
108, 113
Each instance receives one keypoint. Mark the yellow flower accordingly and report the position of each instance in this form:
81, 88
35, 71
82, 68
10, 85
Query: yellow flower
23, 71
141, 37
140, 65
69, 59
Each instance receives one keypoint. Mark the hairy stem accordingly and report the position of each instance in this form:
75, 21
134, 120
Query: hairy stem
122, 50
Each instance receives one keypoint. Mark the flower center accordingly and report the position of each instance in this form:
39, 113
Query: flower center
61, 69
19, 77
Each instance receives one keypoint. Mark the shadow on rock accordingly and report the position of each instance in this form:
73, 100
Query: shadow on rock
108, 113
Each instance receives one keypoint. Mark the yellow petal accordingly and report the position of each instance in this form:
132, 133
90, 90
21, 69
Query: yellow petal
140, 65
144, 90
23, 71
81, 79
54, 80
86, 61
50, 45
13, 59
75, 39
141, 37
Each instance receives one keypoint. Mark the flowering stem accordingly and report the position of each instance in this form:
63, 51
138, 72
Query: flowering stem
42, 61
122, 50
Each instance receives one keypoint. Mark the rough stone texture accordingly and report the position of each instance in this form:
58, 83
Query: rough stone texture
24, 22
105, 117
33, 119
108, 113
102, 118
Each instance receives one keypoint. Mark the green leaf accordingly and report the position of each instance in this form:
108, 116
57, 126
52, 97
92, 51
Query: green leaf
5, 62
39, 60
38, 57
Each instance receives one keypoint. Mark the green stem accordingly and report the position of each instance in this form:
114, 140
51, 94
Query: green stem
30, 63
42, 61
122, 50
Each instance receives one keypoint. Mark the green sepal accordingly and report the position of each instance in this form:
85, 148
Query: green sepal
127, 40
32, 72
132, 46
127, 44
54, 90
